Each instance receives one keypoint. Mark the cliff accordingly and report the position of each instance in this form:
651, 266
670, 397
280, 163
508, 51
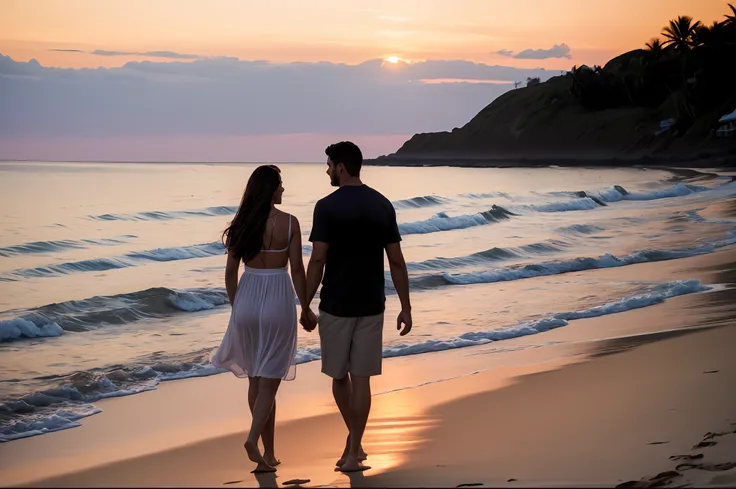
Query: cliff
548, 124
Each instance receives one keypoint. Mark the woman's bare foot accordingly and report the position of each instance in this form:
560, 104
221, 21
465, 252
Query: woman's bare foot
352, 464
254, 454
271, 459
263, 467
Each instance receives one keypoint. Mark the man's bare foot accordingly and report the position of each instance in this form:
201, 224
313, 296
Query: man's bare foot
361, 454
271, 459
352, 464
254, 454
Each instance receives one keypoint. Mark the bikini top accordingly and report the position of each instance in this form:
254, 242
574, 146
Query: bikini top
272, 229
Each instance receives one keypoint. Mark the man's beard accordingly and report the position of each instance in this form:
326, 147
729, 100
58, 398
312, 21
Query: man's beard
334, 180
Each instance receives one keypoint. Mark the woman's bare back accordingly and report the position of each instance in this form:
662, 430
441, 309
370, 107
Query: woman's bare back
276, 239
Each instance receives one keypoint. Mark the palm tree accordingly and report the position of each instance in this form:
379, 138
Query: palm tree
731, 19
712, 36
655, 47
679, 33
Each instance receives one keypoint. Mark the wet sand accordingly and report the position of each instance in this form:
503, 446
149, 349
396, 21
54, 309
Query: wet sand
602, 405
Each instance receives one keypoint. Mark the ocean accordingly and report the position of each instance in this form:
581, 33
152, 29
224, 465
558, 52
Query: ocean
112, 274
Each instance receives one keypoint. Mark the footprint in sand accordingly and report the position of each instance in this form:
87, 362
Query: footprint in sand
704, 444
296, 482
658, 442
470, 484
687, 457
710, 435
658, 480
231, 482
707, 466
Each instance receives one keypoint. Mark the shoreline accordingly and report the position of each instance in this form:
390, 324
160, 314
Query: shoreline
190, 432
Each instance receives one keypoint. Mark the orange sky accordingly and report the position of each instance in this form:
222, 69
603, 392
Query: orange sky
336, 30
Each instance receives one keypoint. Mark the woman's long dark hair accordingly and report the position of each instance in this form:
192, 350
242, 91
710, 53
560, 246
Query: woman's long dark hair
243, 238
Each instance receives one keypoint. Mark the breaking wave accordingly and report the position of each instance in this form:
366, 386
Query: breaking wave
61, 245
86, 314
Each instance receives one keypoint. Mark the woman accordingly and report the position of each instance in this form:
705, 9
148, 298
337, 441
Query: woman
260, 341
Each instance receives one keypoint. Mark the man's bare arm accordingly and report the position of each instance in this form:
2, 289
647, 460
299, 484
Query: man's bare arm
315, 269
400, 277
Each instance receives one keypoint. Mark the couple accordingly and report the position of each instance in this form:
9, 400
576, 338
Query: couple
350, 231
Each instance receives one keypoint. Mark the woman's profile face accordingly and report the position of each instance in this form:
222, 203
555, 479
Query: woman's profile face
279, 193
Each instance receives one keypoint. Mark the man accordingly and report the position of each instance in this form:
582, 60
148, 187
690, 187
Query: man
350, 231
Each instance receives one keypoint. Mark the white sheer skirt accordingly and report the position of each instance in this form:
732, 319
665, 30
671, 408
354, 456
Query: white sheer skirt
260, 340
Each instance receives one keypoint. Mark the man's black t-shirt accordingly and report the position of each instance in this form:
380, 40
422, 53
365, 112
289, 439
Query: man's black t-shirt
357, 223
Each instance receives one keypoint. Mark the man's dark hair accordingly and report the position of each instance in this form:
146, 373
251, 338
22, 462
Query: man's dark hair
347, 153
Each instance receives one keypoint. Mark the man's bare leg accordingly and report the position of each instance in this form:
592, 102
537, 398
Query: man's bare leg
342, 392
360, 407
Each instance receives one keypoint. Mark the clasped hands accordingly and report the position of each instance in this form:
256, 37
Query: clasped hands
308, 319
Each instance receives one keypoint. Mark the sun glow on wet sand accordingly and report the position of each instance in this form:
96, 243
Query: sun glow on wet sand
393, 430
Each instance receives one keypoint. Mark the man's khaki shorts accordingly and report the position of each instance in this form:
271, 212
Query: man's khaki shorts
351, 345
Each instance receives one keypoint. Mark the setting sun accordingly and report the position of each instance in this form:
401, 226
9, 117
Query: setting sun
393, 59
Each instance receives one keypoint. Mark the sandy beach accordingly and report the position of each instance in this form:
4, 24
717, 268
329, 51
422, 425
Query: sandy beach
597, 411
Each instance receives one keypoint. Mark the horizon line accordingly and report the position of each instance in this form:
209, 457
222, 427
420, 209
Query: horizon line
265, 61
15, 160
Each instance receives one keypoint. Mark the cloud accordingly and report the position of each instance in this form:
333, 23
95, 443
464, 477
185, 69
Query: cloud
150, 54
556, 51
212, 98
153, 54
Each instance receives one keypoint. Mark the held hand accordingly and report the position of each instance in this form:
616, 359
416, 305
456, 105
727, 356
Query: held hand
304, 320
312, 318
308, 319
404, 317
